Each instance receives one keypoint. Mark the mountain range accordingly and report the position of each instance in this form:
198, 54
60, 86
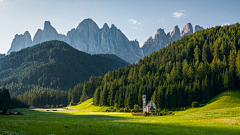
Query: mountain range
89, 38
52, 65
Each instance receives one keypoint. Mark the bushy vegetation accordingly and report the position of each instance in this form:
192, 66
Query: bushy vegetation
52, 65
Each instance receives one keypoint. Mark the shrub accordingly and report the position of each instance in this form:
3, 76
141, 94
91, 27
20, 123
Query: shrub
136, 108
133, 110
121, 110
145, 113
182, 109
194, 104
160, 114
126, 110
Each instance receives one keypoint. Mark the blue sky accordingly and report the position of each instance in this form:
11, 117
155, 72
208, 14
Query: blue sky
137, 19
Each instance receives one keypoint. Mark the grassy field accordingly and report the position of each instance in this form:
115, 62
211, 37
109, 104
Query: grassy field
88, 106
205, 120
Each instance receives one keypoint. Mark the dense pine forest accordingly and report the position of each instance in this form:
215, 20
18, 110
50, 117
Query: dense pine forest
52, 65
2, 55
195, 68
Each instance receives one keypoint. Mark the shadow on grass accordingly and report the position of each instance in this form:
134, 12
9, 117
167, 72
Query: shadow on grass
107, 123
77, 114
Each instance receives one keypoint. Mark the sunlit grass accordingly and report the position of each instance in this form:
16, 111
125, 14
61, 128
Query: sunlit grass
227, 99
88, 106
205, 120
76, 122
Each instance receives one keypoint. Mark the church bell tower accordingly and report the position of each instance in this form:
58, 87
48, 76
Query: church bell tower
144, 100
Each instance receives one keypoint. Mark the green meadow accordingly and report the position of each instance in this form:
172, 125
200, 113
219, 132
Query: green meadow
221, 115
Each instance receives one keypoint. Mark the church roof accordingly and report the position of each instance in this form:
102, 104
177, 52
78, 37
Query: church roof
150, 102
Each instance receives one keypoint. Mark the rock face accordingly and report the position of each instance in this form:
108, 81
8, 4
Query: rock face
198, 28
20, 41
187, 30
161, 39
89, 38
48, 33
175, 35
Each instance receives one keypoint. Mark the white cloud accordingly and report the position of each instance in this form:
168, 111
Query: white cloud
3, 2
178, 14
226, 23
132, 21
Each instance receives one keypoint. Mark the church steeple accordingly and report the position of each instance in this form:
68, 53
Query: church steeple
144, 100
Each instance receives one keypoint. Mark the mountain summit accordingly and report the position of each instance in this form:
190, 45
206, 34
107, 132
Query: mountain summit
161, 39
88, 37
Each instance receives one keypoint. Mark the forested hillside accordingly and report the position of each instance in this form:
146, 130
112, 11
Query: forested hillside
195, 68
2, 55
52, 65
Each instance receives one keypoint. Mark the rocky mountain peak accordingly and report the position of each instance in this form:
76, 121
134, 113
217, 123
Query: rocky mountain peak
47, 24
113, 26
198, 28
176, 31
20, 41
175, 35
187, 30
87, 24
161, 32
105, 26
26, 33
49, 33
37, 37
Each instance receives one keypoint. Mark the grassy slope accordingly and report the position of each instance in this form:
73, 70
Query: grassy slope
88, 106
227, 99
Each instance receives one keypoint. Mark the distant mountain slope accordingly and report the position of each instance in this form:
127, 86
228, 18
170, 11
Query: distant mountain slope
161, 39
52, 65
89, 38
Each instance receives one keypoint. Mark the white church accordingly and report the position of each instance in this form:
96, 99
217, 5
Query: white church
150, 106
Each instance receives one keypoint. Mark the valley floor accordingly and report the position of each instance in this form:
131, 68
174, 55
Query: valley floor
219, 121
